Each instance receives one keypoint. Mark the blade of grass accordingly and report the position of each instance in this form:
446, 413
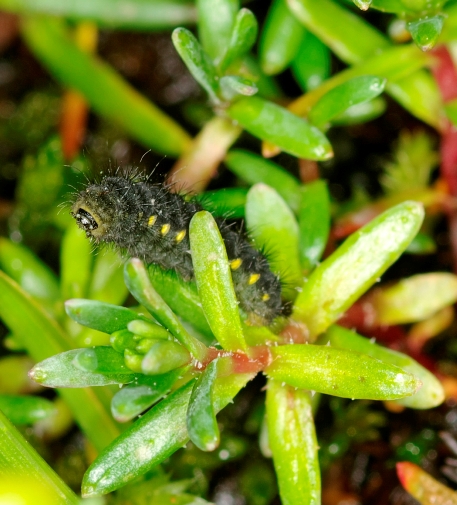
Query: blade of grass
117, 14
42, 338
106, 91
25, 474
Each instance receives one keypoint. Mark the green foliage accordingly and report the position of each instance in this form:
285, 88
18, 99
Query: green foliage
166, 367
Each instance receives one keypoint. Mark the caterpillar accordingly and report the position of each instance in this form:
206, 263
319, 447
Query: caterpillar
150, 222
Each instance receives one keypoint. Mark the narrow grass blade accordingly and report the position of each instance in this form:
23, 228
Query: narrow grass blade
115, 14
24, 475
106, 91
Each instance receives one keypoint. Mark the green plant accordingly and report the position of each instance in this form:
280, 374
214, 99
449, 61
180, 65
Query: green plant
184, 353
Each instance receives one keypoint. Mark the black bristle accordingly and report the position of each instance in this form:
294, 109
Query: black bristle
149, 222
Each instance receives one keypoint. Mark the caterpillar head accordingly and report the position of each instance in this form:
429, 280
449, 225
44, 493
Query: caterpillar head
93, 213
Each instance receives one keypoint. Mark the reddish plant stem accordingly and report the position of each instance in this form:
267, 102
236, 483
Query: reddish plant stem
259, 358
445, 75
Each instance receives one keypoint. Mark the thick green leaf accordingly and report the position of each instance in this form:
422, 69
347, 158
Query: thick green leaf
342, 31
339, 372
423, 488
106, 91
422, 244
197, 61
24, 476
430, 394
97, 366
41, 336
139, 284
28, 271
248, 65
418, 93
350, 37
214, 281
363, 4
273, 227
311, 65
131, 15
224, 202
415, 298
275, 124
233, 86
164, 356
148, 329
339, 99
280, 38
123, 339
75, 263
201, 418
101, 316
107, 283
408, 8
426, 30
25, 409
356, 265
293, 443
153, 438
361, 112
215, 24
393, 64
252, 168
314, 223
138, 396
242, 38
183, 299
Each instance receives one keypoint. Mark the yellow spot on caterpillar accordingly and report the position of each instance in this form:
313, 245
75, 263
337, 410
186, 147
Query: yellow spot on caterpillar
235, 264
152, 220
253, 278
180, 235
266, 297
165, 229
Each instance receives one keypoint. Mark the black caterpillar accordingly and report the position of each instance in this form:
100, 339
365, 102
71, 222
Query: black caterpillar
150, 222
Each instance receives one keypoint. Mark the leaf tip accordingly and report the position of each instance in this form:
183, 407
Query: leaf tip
406, 472
37, 374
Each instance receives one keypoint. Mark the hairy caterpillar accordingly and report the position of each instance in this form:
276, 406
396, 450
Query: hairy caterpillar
148, 221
